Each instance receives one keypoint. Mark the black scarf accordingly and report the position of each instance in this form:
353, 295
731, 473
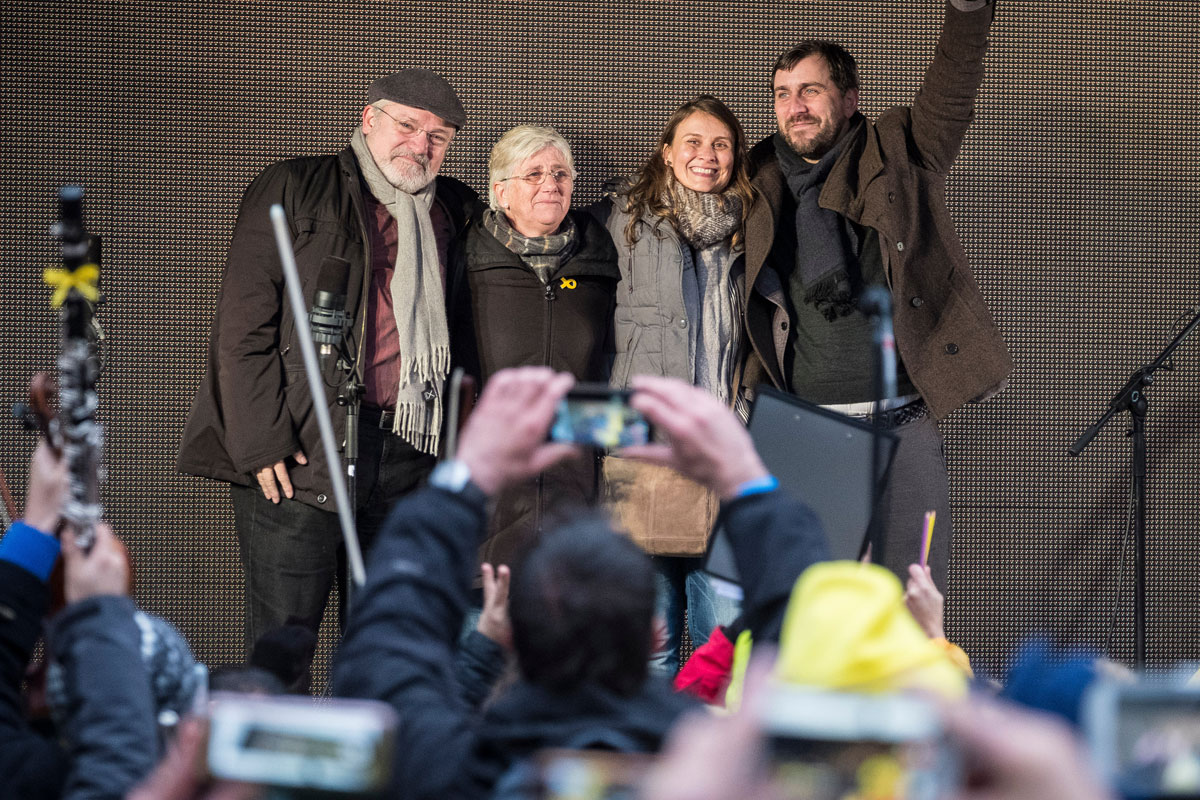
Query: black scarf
824, 241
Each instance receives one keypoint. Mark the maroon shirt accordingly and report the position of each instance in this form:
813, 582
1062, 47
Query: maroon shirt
381, 350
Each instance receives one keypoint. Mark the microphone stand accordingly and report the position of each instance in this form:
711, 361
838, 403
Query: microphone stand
1132, 398
354, 559
350, 398
876, 303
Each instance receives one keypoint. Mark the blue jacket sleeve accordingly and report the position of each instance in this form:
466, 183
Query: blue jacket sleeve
774, 538
30, 765
480, 665
30, 548
402, 640
110, 721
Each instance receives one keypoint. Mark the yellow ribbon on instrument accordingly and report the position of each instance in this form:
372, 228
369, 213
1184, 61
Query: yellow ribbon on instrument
85, 279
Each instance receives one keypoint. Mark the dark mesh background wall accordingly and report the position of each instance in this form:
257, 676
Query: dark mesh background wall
1074, 194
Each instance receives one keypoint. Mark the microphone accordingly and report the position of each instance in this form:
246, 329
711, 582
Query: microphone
876, 303
328, 317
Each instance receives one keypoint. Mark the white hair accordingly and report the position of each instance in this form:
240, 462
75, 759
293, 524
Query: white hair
515, 146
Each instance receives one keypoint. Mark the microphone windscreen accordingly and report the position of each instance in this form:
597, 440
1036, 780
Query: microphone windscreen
334, 276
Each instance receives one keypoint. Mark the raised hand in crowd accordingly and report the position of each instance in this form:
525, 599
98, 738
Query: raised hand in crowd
48, 483
494, 622
705, 440
924, 601
504, 440
181, 775
1013, 754
103, 570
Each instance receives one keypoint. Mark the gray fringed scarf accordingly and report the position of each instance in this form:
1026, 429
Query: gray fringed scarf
542, 254
707, 222
822, 245
419, 304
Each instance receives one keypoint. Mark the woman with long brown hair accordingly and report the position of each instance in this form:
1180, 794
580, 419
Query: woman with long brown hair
678, 225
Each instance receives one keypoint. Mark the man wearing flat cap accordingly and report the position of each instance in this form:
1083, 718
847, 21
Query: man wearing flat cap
380, 206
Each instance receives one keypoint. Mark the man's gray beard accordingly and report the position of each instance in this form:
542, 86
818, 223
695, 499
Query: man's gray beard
410, 178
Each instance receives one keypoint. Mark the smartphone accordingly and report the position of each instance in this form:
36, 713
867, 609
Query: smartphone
337, 746
1145, 737
598, 416
826, 745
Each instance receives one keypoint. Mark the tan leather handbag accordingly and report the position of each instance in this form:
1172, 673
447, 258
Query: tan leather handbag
664, 512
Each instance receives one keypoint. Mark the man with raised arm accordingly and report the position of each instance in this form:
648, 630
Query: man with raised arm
845, 203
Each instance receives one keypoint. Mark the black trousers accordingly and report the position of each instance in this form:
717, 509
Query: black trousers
291, 551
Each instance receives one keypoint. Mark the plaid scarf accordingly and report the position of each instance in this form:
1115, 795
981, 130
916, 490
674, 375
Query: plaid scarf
542, 254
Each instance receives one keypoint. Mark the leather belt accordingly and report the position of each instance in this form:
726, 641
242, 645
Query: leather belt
868, 408
896, 411
381, 418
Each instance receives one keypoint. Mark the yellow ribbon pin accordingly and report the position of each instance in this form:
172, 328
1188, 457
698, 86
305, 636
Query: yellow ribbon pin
567, 283
84, 279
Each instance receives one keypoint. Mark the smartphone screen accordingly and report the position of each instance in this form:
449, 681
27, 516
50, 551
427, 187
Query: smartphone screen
598, 416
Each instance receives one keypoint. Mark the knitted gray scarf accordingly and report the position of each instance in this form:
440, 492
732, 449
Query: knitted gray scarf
707, 222
822, 245
717, 337
543, 254
419, 303
705, 218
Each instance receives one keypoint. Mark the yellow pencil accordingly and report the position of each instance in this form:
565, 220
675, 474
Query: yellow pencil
927, 542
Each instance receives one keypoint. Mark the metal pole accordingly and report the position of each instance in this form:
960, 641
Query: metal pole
283, 239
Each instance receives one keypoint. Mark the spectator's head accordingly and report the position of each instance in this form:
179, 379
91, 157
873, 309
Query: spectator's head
1049, 679
173, 673
582, 608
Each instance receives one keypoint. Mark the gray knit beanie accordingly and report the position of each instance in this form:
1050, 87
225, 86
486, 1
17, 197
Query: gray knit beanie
420, 88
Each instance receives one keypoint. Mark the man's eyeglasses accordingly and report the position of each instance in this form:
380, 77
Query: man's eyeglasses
537, 177
408, 129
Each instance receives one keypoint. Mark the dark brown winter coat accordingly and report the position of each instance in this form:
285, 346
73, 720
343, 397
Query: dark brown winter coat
895, 182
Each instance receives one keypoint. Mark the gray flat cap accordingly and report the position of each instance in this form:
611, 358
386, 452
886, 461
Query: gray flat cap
420, 88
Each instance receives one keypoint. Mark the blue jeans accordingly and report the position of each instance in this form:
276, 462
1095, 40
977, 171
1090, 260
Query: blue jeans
683, 586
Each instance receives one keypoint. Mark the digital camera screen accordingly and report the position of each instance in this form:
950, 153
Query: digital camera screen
606, 422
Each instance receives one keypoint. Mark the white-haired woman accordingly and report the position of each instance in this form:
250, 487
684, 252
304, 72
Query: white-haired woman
541, 282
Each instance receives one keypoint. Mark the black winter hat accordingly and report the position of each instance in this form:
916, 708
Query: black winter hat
420, 88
